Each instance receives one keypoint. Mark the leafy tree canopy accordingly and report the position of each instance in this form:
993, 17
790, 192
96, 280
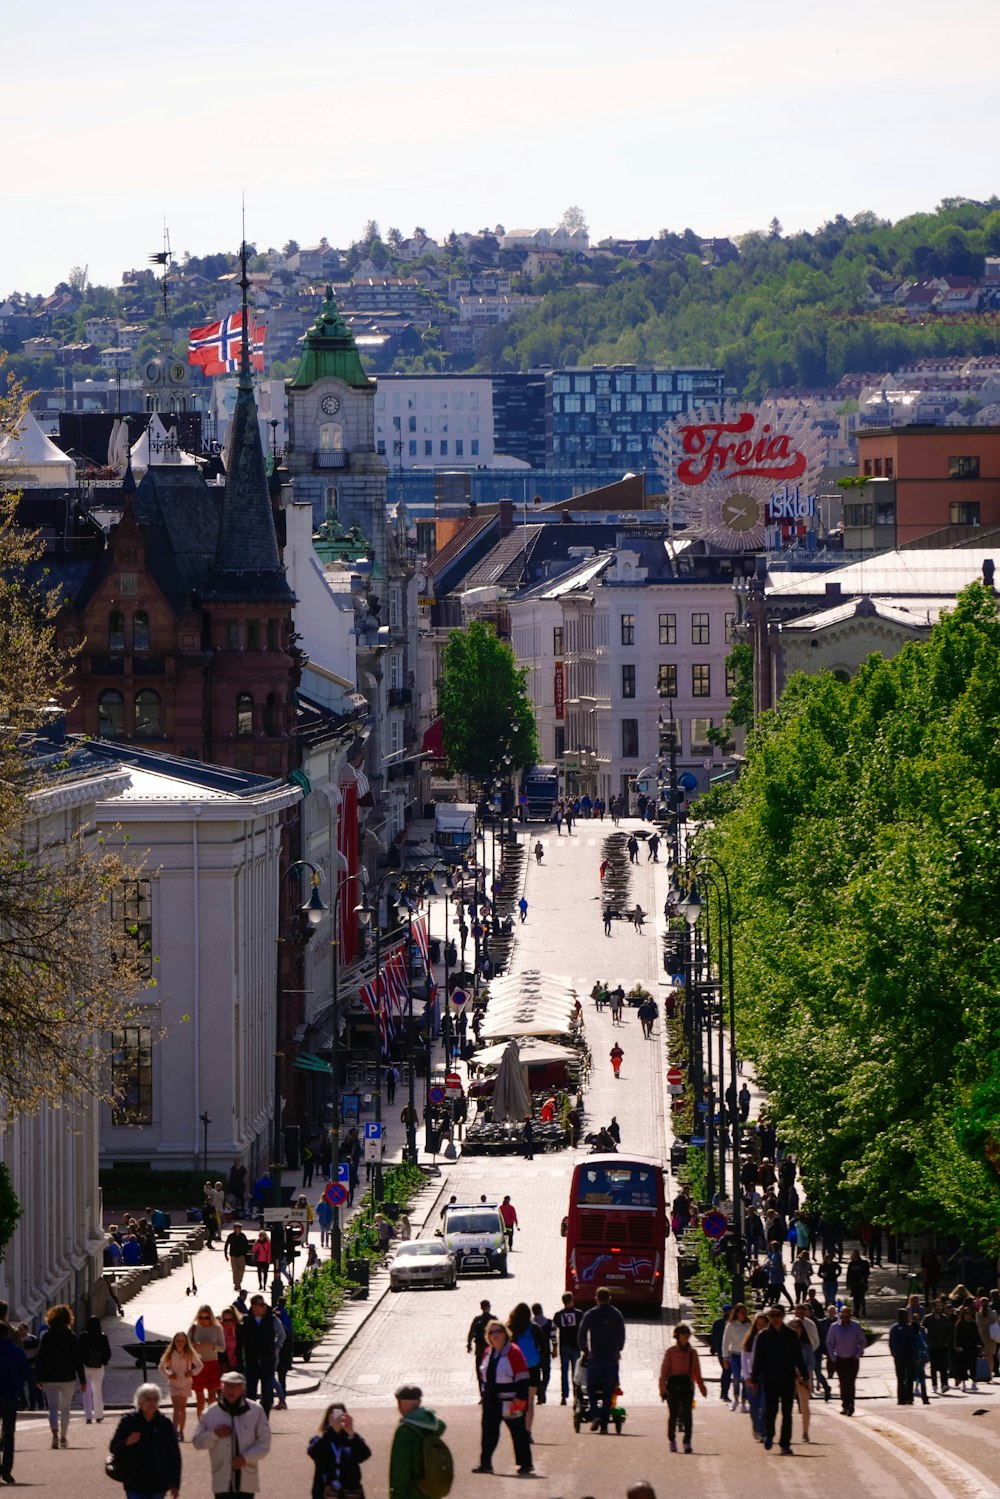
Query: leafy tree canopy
484, 705
861, 848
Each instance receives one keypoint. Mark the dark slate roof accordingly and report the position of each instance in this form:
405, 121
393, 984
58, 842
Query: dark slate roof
505, 564
196, 772
179, 514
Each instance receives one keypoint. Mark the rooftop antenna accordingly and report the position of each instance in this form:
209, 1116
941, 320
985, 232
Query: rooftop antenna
163, 257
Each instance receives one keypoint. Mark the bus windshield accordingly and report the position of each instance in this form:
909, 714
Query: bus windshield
617, 1186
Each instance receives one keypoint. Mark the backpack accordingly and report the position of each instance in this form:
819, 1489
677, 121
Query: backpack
439, 1468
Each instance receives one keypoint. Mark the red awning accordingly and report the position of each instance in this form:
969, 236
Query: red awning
433, 740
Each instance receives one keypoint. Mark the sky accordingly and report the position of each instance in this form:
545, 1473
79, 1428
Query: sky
457, 114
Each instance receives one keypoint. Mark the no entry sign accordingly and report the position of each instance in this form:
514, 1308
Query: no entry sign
674, 1075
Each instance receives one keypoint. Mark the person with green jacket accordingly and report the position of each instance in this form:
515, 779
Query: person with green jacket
406, 1459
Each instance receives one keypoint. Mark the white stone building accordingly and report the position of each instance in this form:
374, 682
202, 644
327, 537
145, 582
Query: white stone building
434, 421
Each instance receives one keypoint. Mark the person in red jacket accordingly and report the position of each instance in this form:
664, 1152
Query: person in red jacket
508, 1212
679, 1373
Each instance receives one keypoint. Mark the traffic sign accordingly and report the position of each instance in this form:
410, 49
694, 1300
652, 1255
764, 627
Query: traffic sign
277, 1215
373, 1140
343, 1172
674, 1075
295, 1229
675, 1088
459, 999
436, 1095
714, 1225
453, 1080
697, 1141
336, 1194
373, 1129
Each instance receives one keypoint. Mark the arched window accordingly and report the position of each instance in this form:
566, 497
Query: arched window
244, 714
140, 630
116, 631
147, 714
331, 437
331, 497
271, 712
110, 715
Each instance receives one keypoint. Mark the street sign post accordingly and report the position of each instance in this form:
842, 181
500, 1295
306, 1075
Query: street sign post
436, 1096
336, 1194
277, 1215
674, 1075
295, 1229
675, 1088
373, 1140
714, 1225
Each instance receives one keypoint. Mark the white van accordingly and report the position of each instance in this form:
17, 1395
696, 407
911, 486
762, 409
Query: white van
473, 1232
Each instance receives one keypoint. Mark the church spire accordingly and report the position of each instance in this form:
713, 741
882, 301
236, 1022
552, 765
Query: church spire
247, 564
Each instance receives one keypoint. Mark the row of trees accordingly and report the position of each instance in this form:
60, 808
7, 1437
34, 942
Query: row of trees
861, 846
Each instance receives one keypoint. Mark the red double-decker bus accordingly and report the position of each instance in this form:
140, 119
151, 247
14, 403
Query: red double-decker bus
616, 1230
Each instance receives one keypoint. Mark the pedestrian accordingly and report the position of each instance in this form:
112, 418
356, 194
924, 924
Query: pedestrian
777, 1367
857, 1277
391, 1079
260, 1253
930, 1270
801, 1273
638, 919
653, 848
263, 1337
180, 1364
559, 818
633, 849
237, 1185
967, 1348
304, 1212
144, 1447
384, 1234
475, 1342
776, 1287
506, 1387
744, 1102
236, 1435
607, 920
921, 1355
525, 1335
237, 1248
803, 1387
617, 1005
939, 1329
231, 1357
324, 1217
647, 1014
845, 1347
715, 1348
209, 1342
546, 1348
418, 1454
528, 1138
680, 1371
617, 1056
308, 1163
570, 815
283, 1348
829, 1274
522, 907
902, 1346
338, 1452
602, 1338
508, 1212
734, 1335
15, 1378
567, 1325
753, 1394
58, 1366
95, 1350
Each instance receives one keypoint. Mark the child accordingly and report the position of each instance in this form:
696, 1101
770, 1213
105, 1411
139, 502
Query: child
180, 1364
679, 1373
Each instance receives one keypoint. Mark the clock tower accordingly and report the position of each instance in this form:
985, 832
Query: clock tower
331, 457
166, 385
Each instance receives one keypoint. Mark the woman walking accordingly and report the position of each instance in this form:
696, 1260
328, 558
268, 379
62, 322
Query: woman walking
679, 1373
338, 1452
95, 1350
58, 1366
208, 1341
180, 1364
754, 1393
260, 1253
966, 1346
505, 1385
803, 1387
525, 1335
232, 1330
733, 1337
617, 1057
145, 1447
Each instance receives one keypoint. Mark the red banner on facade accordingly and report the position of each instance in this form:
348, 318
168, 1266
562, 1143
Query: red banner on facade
559, 690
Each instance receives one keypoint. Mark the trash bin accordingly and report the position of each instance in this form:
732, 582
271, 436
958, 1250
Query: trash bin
357, 1270
433, 1143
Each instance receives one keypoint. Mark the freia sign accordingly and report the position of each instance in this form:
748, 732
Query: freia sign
724, 449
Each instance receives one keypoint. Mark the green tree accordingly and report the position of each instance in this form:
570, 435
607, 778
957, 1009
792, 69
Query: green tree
484, 705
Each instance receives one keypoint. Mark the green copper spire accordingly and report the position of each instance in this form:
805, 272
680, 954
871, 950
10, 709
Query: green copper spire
329, 351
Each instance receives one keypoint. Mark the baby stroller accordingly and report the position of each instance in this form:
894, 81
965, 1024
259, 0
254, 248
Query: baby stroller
583, 1412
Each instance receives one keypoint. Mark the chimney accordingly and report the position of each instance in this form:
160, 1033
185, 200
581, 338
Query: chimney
988, 570
506, 517
832, 592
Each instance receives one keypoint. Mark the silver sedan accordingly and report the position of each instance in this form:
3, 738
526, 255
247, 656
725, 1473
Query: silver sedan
422, 1262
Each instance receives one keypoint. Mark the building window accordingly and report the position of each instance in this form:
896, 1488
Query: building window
444, 448
700, 742
244, 715
729, 627
232, 635
413, 449
474, 445
963, 513
858, 514
699, 629
630, 738
272, 634
628, 629
868, 468
140, 631
253, 635
147, 714
132, 912
110, 715
331, 497
730, 681
701, 681
668, 629
271, 714
889, 468
559, 740
132, 1075
331, 437
628, 681
963, 468
429, 448
116, 631
557, 640
666, 680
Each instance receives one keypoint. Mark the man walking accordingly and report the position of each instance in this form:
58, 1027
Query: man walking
744, 1101
602, 1338
617, 1005
391, 1079
545, 1338
607, 921
845, 1347
508, 1212
857, 1277
522, 907
567, 1326
475, 1342
633, 849
14, 1373
617, 1057
407, 1467
236, 1435
777, 1364
903, 1347
939, 1329
653, 848
237, 1247
263, 1336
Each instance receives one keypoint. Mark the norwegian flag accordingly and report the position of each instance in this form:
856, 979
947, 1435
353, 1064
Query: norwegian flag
420, 933
217, 347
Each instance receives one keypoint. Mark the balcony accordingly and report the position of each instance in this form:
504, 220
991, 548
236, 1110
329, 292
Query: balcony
330, 458
400, 697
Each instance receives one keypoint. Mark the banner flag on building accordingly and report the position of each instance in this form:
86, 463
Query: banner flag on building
217, 347
420, 933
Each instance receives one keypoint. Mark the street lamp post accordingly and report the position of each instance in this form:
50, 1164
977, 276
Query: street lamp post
335, 1234
365, 912
313, 910
205, 1122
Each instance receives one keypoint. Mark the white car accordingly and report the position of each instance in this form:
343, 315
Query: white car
422, 1262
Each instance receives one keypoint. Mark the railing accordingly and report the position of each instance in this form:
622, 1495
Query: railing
400, 696
330, 458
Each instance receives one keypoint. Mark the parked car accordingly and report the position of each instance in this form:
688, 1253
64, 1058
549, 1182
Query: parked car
423, 1262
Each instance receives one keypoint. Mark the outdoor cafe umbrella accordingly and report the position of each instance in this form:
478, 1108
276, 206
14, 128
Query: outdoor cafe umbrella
511, 1099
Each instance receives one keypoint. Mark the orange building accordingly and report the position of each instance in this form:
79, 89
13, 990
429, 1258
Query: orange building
922, 480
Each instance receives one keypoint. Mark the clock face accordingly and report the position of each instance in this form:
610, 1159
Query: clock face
740, 512
330, 405
178, 373
152, 372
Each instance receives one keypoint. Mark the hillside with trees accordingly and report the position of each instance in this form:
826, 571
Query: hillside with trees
791, 310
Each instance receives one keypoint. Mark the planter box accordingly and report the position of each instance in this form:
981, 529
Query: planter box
302, 1348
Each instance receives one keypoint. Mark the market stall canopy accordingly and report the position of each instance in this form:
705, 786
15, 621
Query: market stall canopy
29, 459
531, 1050
541, 1026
